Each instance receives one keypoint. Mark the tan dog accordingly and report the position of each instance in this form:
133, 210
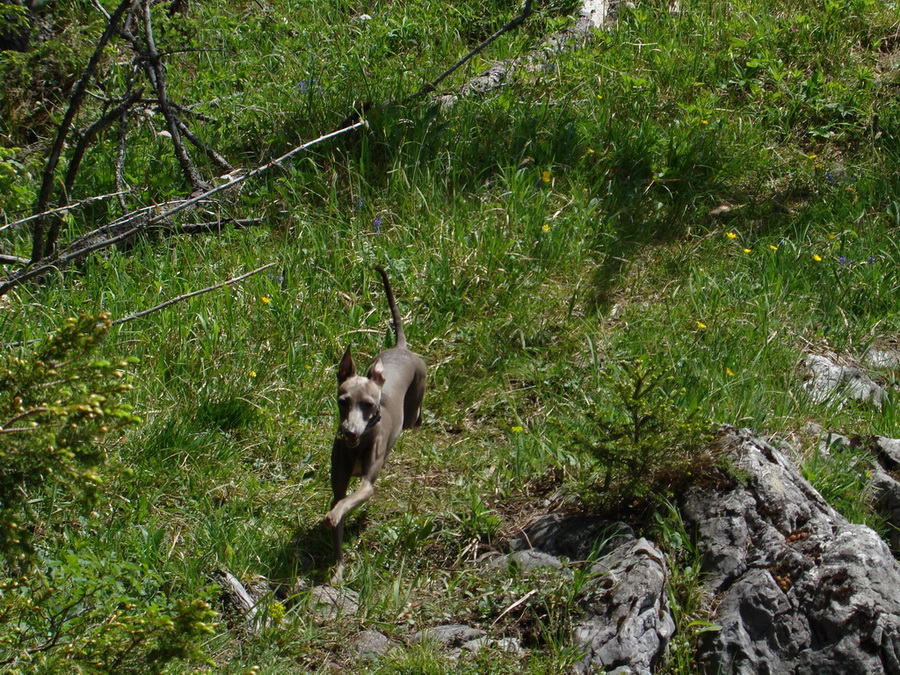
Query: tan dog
374, 409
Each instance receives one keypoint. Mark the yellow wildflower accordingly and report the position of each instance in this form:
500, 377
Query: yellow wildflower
748, 250
701, 325
517, 429
729, 372
545, 227
545, 176
266, 299
252, 373
731, 235
817, 257
773, 247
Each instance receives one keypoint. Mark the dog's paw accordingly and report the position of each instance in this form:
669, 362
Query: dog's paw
330, 520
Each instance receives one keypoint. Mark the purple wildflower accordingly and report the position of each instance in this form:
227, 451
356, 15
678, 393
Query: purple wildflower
312, 84
842, 259
871, 259
377, 224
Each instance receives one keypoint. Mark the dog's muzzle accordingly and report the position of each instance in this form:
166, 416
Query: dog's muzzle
352, 439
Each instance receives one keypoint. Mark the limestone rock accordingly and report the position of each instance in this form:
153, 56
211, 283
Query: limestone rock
800, 589
575, 537
829, 380
626, 624
452, 635
328, 602
507, 644
369, 644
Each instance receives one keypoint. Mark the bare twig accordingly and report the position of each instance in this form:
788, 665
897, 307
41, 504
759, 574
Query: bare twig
86, 137
157, 75
13, 260
60, 209
60, 260
216, 226
37, 247
172, 301
120, 159
238, 594
514, 605
96, 127
220, 161
431, 86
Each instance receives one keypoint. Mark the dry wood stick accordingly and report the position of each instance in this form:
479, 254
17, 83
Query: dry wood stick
86, 137
12, 260
172, 301
37, 239
431, 86
158, 77
96, 127
120, 159
60, 209
212, 154
59, 260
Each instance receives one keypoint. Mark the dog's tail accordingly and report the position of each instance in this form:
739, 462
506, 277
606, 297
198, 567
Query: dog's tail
398, 322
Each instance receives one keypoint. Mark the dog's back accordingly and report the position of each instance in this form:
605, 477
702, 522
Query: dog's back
406, 370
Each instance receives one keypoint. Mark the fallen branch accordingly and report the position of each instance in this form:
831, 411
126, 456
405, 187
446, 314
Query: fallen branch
60, 260
192, 294
60, 209
216, 226
208, 151
431, 86
120, 159
238, 596
13, 260
156, 74
47, 178
85, 138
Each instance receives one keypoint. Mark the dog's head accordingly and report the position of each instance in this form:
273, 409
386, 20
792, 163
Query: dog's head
359, 398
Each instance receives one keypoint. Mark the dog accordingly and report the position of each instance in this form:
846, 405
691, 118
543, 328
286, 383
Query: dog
373, 410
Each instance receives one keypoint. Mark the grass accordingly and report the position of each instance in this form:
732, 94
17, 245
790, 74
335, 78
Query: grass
713, 188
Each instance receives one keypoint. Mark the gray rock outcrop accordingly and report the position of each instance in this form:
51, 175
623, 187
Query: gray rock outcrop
626, 624
827, 381
800, 589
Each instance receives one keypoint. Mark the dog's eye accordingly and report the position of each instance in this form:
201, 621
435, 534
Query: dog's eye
343, 402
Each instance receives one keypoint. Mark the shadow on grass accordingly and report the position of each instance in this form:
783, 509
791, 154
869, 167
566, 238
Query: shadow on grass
308, 553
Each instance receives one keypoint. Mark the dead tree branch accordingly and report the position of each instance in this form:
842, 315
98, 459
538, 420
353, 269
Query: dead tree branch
60, 209
216, 226
86, 137
220, 161
60, 260
120, 159
47, 178
431, 86
156, 72
12, 260
192, 294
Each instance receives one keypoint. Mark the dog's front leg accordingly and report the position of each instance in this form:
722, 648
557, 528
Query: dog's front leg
363, 493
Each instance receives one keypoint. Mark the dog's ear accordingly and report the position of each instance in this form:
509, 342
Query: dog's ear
346, 368
376, 373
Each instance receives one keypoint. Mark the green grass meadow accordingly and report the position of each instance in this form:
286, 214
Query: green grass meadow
709, 190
